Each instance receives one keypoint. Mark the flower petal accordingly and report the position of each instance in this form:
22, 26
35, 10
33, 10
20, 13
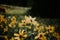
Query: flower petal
15, 34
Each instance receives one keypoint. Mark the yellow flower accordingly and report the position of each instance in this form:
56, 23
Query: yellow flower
6, 29
13, 18
20, 24
22, 34
55, 34
12, 38
13, 21
24, 22
41, 36
50, 29
10, 25
36, 28
29, 19
41, 28
2, 19
6, 37
35, 23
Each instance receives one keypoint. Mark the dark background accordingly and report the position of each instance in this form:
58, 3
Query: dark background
40, 8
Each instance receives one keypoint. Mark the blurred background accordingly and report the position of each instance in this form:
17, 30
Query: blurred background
42, 8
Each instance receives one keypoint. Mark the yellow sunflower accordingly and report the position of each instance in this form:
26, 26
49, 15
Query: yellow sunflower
50, 29
6, 29
36, 28
2, 19
20, 24
13, 18
13, 22
12, 25
35, 23
41, 36
22, 34
12, 38
55, 34
42, 28
29, 19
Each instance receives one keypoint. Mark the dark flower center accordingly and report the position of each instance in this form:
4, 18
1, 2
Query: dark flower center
50, 29
41, 35
31, 20
24, 22
20, 36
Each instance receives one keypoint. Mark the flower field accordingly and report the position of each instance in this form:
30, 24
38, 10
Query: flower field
16, 27
16, 24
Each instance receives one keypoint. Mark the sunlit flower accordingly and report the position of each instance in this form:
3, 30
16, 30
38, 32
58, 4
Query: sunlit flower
41, 28
29, 19
35, 23
13, 20
22, 34
50, 28
6, 29
10, 25
41, 36
2, 19
36, 28
20, 24
23, 22
55, 34
12, 38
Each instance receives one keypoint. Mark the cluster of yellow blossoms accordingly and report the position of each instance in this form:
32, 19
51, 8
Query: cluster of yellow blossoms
3, 21
27, 22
